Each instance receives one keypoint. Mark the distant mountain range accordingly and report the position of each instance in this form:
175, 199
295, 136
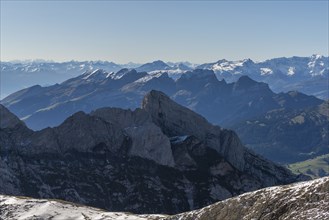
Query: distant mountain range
259, 115
305, 74
160, 158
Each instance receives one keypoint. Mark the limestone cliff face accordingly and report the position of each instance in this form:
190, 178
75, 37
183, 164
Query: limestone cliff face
147, 139
176, 120
162, 158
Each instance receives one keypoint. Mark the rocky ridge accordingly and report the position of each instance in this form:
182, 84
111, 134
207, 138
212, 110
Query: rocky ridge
306, 200
119, 159
244, 105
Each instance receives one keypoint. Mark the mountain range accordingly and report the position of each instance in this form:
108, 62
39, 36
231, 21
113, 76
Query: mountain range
305, 74
160, 158
288, 135
306, 200
260, 116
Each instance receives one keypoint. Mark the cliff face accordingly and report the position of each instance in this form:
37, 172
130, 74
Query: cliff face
176, 120
162, 158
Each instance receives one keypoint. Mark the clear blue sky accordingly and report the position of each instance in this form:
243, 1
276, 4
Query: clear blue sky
142, 31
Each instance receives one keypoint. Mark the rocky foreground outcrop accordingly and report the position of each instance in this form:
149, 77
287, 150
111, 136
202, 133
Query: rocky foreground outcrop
162, 158
305, 200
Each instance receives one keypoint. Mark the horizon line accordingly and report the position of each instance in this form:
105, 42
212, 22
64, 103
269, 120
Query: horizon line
38, 60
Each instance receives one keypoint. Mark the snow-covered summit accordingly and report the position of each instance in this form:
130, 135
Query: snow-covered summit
96, 75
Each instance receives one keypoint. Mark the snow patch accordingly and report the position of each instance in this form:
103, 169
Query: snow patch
291, 71
178, 139
265, 71
96, 75
149, 77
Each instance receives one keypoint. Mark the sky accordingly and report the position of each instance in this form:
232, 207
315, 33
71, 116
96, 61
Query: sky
143, 31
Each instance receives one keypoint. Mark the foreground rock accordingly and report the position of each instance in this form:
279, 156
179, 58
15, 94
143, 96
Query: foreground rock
23, 208
162, 158
306, 200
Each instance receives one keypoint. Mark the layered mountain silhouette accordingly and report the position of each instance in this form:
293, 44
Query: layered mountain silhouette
305, 74
241, 105
161, 158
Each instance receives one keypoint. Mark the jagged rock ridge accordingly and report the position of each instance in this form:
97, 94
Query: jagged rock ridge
150, 160
234, 105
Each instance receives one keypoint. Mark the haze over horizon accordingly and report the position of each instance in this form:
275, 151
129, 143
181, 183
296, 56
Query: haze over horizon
40, 60
140, 32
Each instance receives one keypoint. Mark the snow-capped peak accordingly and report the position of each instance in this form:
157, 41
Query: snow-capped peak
316, 56
96, 75
121, 73
318, 65
224, 65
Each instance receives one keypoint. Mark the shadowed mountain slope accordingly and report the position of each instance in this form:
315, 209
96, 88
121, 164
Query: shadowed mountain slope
162, 158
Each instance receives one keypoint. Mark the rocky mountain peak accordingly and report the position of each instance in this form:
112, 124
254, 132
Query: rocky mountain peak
123, 73
197, 80
96, 75
248, 62
176, 120
246, 83
159, 62
132, 156
222, 61
182, 66
155, 65
169, 114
